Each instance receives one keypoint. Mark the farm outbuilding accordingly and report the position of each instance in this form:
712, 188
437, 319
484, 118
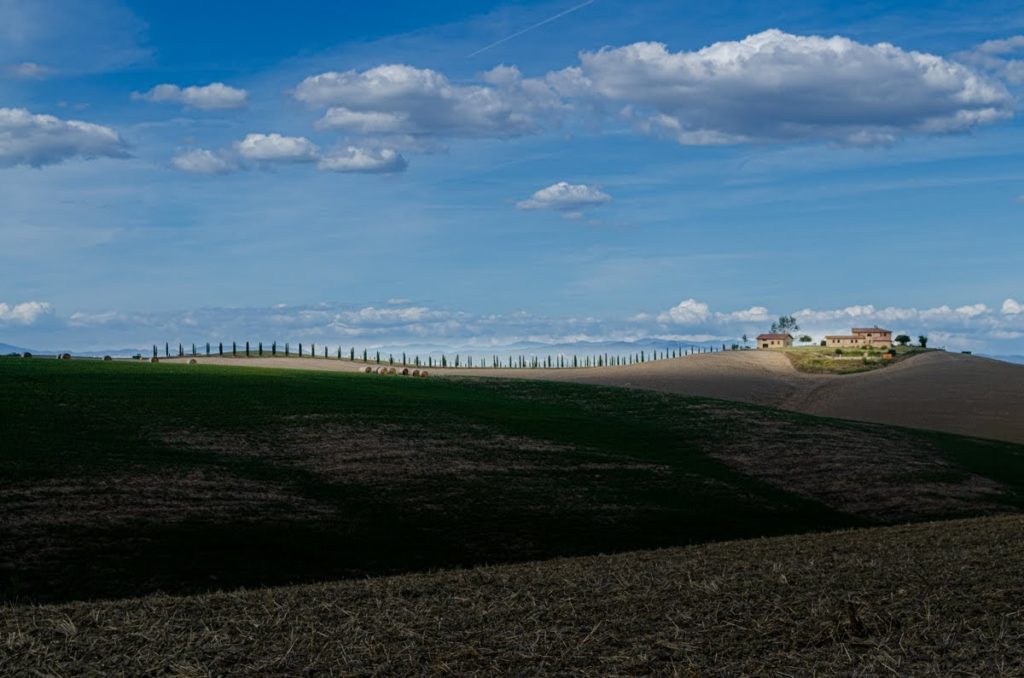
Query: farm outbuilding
775, 340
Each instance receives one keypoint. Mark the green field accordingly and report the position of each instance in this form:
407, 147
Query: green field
824, 360
122, 478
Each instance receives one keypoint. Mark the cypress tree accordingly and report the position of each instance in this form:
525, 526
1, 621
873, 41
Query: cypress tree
287, 349
352, 354
154, 350
167, 350
247, 349
378, 357
312, 350
260, 348
300, 349
234, 349
273, 348
220, 348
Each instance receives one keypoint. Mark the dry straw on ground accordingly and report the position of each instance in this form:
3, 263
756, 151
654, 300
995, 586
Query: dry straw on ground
930, 599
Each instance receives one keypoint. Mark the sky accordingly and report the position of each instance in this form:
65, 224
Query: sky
477, 174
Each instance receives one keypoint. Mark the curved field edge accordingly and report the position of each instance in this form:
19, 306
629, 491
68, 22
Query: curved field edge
926, 599
125, 479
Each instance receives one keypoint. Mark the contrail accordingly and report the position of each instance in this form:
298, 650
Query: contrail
530, 28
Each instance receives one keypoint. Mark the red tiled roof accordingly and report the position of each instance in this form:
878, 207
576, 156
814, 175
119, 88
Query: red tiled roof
863, 330
761, 337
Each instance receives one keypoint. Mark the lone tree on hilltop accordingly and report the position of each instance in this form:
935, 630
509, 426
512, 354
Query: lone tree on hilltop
923, 340
902, 339
785, 323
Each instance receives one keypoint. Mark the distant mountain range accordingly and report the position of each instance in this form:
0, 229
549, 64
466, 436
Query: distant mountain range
6, 349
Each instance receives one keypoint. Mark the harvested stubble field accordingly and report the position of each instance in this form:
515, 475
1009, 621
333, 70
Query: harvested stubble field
929, 599
125, 479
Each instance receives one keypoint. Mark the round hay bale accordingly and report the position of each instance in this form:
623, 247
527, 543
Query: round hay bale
405, 371
26, 354
192, 361
415, 373
392, 370
424, 373
107, 358
382, 370
65, 356
367, 369
154, 359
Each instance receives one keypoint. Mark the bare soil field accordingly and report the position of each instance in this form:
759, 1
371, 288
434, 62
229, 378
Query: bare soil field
122, 479
941, 391
929, 599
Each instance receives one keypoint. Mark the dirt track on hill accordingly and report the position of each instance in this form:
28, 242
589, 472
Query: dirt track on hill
940, 391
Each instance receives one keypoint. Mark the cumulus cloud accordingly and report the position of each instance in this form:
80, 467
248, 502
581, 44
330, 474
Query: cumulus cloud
1012, 307
565, 197
868, 312
757, 314
775, 86
365, 160
276, 148
995, 56
25, 313
27, 70
202, 161
215, 96
38, 140
265, 149
686, 312
402, 99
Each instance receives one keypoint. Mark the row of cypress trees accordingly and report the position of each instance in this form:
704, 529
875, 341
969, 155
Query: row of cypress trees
520, 361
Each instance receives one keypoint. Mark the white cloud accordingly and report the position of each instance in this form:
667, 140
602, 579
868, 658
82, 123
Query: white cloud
364, 122
365, 160
38, 140
993, 56
780, 87
276, 148
569, 198
401, 99
686, 312
869, 313
202, 161
758, 314
25, 313
1004, 46
1012, 307
215, 96
27, 70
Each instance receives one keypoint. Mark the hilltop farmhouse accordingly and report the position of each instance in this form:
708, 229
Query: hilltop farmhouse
861, 337
774, 340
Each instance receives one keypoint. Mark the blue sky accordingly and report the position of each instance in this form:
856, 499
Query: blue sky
469, 174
